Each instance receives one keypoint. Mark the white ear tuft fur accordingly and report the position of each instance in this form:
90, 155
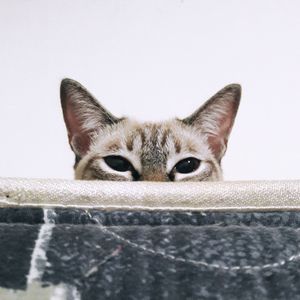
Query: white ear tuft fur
83, 115
216, 117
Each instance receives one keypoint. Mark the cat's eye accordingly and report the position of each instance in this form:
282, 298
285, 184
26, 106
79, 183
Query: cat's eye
118, 163
187, 165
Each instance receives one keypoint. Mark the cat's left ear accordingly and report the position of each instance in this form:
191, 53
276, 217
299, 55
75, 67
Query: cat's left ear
216, 117
83, 114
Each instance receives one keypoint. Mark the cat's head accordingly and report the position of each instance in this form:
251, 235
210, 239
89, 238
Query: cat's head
111, 148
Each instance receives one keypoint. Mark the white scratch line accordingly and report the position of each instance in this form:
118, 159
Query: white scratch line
59, 293
38, 257
65, 292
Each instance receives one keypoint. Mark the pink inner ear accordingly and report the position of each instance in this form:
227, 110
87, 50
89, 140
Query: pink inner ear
218, 142
217, 145
79, 139
80, 144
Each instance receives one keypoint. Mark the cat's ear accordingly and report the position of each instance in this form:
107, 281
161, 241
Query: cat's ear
83, 115
216, 117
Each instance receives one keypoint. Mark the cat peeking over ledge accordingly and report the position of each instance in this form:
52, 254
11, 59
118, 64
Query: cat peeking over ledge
121, 149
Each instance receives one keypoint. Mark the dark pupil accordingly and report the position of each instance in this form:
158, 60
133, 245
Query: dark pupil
187, 165
118, 163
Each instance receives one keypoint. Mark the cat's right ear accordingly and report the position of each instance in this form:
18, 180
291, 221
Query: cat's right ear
216, 117
83, 115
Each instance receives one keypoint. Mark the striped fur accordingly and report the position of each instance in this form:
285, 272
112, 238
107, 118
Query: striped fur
153, 149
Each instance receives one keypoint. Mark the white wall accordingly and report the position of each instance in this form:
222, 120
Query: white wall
151, 60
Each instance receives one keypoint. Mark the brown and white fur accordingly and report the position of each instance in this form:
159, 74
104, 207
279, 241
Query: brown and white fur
153, 151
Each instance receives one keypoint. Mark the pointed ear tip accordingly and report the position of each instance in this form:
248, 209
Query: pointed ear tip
234, 88
68, 82
66, 85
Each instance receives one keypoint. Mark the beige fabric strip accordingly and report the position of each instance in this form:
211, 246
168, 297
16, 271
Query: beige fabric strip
192, 196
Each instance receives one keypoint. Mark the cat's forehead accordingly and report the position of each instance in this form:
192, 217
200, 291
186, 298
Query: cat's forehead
151, 139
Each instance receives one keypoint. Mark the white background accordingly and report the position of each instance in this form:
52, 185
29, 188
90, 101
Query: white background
150, 60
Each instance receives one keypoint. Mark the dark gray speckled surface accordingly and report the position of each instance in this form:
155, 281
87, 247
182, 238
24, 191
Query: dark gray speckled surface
84, 255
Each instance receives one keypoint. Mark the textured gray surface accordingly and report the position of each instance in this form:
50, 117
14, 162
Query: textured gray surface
177, 263
161, 241
80, 254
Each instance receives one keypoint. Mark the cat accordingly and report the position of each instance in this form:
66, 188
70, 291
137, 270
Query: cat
121, 149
